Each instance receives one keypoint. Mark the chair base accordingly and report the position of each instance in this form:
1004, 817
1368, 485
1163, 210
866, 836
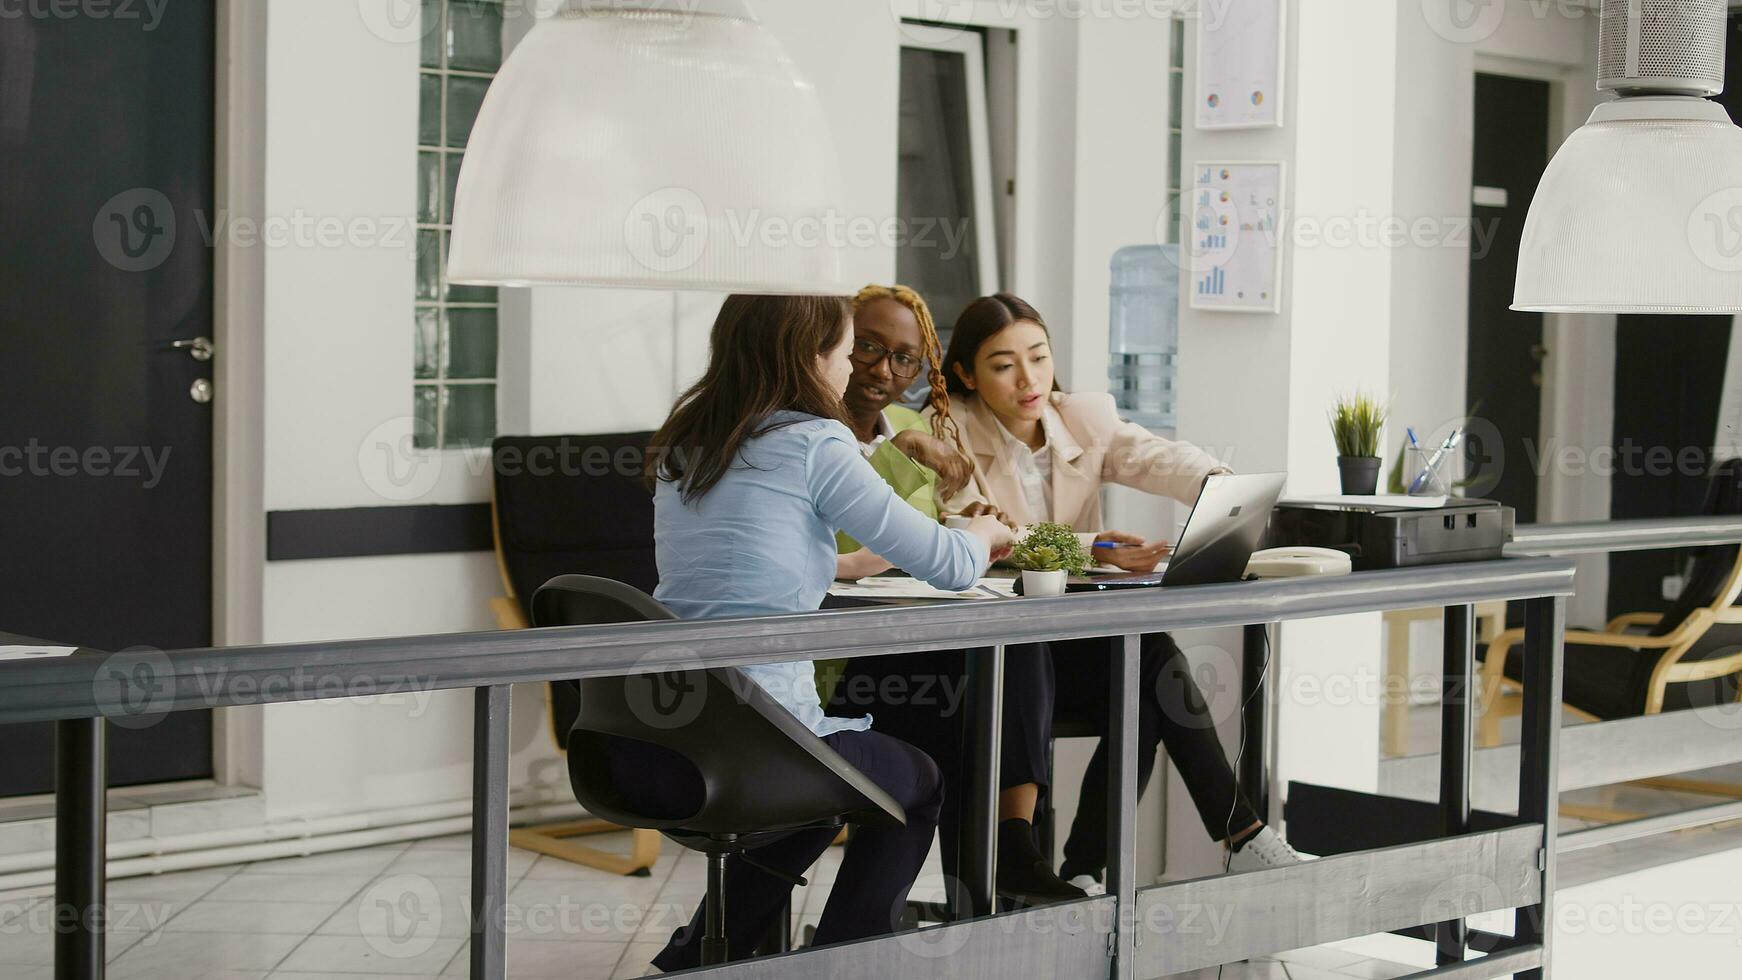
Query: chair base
551, 839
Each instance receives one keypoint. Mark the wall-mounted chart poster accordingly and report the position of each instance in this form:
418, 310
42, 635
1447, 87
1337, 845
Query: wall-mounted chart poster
1235, 260
1240, 60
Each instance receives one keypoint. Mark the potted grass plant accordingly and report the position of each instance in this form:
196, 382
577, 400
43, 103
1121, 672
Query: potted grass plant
1046, 554
1356, 421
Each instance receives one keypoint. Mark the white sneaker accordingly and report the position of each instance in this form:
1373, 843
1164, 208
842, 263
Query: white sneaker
1264, 850
1089, 885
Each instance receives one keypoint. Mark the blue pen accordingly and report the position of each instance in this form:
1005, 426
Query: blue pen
1412, 443
1107, 544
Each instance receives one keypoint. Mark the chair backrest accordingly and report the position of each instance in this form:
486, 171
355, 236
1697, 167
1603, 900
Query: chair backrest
758, 767
573, 505
1712, 579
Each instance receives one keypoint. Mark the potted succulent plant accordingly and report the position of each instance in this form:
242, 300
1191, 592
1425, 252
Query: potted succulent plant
1356, 421
1046, 554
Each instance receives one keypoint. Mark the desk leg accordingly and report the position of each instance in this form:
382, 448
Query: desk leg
80, 917
1122, 802
980, 815
1455, 746
1538, 772
1254, 774
489, 954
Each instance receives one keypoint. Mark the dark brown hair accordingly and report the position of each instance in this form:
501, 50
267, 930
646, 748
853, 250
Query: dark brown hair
983, 318
762, 358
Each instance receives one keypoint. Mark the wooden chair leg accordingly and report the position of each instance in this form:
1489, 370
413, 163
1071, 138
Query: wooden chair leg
551, 839
1394, 689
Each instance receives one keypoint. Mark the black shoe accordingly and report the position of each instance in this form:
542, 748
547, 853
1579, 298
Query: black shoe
1024, 874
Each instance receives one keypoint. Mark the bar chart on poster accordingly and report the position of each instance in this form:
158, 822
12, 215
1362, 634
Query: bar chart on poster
1236, 255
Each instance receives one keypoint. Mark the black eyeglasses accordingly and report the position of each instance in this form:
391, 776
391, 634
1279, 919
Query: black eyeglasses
903, 365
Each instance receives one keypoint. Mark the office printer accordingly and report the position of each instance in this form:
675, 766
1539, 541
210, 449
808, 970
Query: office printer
1388, 534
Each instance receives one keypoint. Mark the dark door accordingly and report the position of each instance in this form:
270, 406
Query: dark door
106, 153
1504, 386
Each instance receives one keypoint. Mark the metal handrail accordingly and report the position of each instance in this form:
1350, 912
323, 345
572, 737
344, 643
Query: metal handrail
85, 690
1650, 534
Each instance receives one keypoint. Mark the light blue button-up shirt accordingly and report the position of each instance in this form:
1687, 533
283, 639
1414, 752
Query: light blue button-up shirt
762, 541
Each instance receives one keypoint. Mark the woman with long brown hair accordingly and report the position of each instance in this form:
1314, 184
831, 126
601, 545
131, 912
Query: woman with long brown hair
754, 473
1042, 454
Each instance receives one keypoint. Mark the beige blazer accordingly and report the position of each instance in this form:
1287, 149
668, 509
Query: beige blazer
1092, 446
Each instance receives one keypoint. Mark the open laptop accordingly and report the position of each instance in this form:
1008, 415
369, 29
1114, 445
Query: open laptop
1225, 527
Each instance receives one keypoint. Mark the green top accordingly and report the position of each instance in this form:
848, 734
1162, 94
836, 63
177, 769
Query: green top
913, 483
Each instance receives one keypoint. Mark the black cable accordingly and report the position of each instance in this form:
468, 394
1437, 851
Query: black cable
1239, 755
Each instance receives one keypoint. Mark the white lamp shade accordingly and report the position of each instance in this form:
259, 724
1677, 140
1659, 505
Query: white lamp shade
1639, 212
650, 149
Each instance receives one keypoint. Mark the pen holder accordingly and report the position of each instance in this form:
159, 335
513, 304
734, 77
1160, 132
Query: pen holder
1415, 465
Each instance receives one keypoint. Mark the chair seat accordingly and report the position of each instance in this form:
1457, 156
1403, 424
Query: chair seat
711, 844
1612, 682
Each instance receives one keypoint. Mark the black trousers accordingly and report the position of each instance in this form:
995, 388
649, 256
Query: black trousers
920, 698
870, 892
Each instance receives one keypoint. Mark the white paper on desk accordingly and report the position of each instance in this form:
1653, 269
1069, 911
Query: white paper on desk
902, 587
1380, 500
35, 653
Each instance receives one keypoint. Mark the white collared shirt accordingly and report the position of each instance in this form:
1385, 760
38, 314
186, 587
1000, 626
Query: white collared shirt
885, 432
1034, 466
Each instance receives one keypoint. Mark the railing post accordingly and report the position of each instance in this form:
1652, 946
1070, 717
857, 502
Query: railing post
1122, 802
1254, 774
1538, 774
1457, 673
490, 832
978, 850
80, 918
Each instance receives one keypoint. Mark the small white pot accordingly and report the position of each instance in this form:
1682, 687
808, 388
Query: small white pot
1043, 583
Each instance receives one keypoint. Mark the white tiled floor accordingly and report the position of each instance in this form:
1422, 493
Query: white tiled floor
401, 910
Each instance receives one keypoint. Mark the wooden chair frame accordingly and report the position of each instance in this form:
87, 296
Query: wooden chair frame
552, 838
1669, 650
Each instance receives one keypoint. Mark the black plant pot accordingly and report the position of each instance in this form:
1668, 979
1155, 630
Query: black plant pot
1360, 475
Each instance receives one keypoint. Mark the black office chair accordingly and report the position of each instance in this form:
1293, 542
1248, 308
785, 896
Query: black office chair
754, 772
1646, 663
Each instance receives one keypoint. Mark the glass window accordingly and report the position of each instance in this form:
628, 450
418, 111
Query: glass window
454, 371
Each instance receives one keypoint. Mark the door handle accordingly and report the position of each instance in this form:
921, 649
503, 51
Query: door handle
199, 348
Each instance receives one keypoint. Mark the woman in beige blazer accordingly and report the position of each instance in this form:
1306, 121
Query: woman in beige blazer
1042, 454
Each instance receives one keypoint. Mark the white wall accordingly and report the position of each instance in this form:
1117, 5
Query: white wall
342, 111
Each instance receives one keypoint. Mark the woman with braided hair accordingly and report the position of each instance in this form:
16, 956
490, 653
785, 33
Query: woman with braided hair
917, 697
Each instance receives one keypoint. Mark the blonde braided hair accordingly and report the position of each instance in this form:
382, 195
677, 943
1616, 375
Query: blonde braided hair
939, 397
